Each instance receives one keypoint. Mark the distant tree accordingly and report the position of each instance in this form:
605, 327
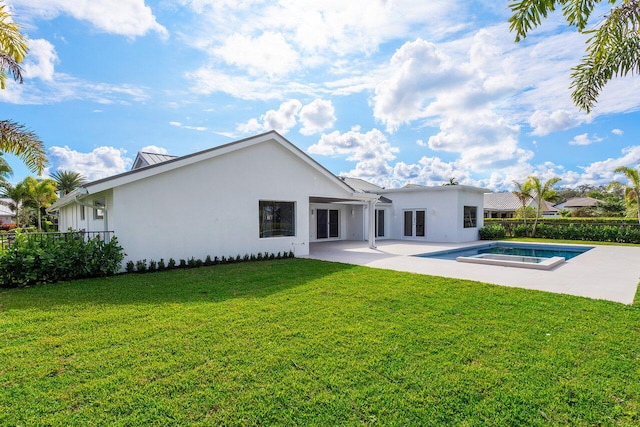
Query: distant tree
15, 196
523, 193
67, 181
452, 181
613, 48
13, 48
41, 193
632, 190
543, 191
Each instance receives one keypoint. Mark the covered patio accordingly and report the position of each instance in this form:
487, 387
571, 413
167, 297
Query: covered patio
605, 272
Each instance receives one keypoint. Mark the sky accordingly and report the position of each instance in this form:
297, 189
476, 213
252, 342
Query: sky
393, 92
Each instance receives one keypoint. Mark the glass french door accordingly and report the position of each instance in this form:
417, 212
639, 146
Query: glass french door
415, 223
327, 223
379, 223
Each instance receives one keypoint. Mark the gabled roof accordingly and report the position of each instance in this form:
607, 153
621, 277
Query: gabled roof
144, 159
504, 201
580, 202
362, 186
548, 207
178, 162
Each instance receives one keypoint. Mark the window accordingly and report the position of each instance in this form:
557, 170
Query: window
82, 217
98, 213
470, 216
277, 219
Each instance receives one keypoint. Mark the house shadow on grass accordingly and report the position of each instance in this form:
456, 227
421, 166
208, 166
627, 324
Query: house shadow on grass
205, 284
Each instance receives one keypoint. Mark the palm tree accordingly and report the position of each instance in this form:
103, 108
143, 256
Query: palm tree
67, 181
613, 48
18, 140
5, 170
632, 191
14, 137
523, 193
16, 196
452, 181
542, 191
42, 193
13, 48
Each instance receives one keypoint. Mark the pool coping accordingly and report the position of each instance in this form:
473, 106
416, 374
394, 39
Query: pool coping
511, 261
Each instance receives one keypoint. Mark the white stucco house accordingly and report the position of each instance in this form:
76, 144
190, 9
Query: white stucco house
259, 194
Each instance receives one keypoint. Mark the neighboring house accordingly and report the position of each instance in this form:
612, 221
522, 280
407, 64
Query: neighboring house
505, 205
7, 216
255, 195
577, 203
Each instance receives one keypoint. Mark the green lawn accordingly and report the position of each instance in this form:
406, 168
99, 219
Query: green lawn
303, 342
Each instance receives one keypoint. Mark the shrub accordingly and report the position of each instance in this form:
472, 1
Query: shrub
131, 267
141, 266
38, 258
172, 264
208, 261
152, 266
492, 232
183, 264
191, 262
161, 265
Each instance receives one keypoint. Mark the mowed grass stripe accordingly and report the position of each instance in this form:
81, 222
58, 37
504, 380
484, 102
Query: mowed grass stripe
304, 342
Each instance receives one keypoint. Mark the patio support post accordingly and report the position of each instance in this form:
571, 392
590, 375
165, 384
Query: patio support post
372, 223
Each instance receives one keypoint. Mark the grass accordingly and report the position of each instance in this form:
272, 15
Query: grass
304, 342
576, 242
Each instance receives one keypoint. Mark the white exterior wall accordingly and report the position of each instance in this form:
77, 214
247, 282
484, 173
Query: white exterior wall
211, 207
70, 216
444, 211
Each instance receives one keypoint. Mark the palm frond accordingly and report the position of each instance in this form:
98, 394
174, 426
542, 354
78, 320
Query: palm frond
18, 140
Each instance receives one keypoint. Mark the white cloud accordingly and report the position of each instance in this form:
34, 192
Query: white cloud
40, 62
207, 81
281, 120
483, 140
584, 139
317, 116
618, 132
99, 163
67, 88
154, 149
418, 72
600, 173
183, 126
129, 18
268, 53
544, 122
370, 150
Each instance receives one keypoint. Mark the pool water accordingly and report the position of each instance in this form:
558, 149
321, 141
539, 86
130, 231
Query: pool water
518, 249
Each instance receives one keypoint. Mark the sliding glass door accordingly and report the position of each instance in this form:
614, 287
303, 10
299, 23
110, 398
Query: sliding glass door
327, 223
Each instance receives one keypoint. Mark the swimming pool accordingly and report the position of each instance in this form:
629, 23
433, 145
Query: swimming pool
534, 250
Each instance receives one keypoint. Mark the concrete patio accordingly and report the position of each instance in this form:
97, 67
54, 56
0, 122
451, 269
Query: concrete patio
605, 272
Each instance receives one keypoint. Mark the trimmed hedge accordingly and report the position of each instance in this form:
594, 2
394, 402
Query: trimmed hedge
141, 266
48, 259
579, 220
587, 230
